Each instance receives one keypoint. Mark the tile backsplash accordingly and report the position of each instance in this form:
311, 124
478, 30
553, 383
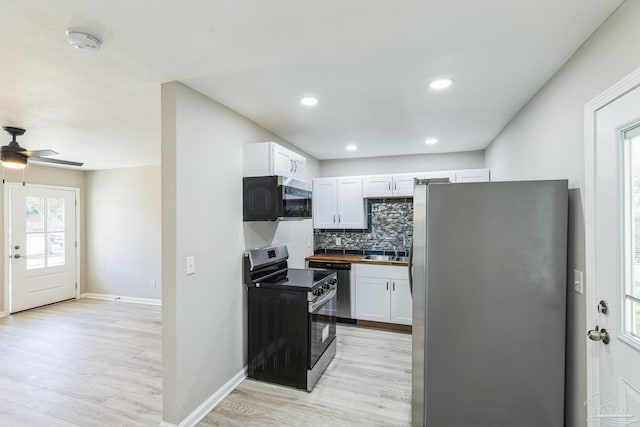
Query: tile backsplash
390, 228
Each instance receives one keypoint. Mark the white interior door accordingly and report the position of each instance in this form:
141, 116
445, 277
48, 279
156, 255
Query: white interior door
41, 239
613, 347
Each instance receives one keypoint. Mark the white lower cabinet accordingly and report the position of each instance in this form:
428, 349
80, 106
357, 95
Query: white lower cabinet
401, 302
382, 293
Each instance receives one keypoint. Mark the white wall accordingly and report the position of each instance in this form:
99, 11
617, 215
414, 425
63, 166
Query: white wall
36, 174
545, 140
401, 164
204, 315
124, 232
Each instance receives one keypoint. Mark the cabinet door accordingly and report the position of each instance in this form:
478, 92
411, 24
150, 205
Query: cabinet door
373, 299
401, 302
350, 203
282, 161
299, 166
472, 175
377, 186
324, 203
403, 184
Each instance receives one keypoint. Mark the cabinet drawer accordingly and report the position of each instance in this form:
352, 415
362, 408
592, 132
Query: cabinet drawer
382, 271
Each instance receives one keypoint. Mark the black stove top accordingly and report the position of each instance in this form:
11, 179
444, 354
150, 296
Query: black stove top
298, 279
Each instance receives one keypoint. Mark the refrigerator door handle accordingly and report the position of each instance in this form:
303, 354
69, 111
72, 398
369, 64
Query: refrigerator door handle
411, 269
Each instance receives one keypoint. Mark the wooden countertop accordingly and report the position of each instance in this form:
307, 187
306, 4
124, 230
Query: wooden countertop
352, 258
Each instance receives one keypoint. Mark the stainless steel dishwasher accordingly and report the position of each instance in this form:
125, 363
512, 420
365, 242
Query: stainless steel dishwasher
346, 290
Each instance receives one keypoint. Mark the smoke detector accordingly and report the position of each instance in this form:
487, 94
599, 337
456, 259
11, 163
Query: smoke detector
82, 40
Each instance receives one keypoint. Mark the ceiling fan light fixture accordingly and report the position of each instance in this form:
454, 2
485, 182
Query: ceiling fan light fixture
13, 160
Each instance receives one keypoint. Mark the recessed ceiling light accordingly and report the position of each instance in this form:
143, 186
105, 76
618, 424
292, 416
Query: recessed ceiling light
430, 141
309, 101
83, 40
440, 84
351, 147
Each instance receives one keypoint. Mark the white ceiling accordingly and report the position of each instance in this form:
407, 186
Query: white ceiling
369, 63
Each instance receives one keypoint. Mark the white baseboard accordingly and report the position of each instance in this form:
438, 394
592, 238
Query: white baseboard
201, 411
106, 297
3, 314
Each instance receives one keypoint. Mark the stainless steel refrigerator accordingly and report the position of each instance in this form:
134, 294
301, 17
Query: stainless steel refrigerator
489, 291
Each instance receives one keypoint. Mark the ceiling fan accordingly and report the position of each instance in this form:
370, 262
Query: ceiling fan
15, 157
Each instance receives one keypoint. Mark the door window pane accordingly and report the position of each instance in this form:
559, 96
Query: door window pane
632, 314
35, 214
631, 293
55, 217
45, 233
55, 249
35, 251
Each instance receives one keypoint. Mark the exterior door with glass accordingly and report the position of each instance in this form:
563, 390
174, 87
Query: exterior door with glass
613, 261
41, 243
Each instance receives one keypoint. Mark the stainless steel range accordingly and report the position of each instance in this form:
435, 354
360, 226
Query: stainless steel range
291, 319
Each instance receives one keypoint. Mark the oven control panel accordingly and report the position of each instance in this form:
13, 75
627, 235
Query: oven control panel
325, 287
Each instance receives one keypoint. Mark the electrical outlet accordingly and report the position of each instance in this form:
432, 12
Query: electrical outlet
578, 283
153, 283
190, 265
338, 241
309, 242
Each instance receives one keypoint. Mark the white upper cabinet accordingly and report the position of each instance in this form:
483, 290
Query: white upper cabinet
338, 203
377, 186
403, 183
269, 158
389, 185
351, 212
282, 160
325, 210
299, 166
472, 175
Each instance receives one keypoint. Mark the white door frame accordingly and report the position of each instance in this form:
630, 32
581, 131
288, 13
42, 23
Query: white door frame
7, 214
624, 86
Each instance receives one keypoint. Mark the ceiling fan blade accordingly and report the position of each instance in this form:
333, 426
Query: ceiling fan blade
56, 161
38, 153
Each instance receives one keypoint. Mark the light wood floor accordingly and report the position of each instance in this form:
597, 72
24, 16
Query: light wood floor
97, 363
81, 363
367, 384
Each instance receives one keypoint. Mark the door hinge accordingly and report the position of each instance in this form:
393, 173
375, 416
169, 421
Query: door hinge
76, 286
76, 244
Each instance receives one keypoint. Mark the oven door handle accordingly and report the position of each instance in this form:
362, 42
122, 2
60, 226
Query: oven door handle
313, 305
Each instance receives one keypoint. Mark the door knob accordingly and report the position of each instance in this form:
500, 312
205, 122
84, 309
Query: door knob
598, 334
16, 256
16, 247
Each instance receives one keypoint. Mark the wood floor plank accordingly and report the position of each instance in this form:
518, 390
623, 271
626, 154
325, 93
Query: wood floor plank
81, 363
98, 363
367, 383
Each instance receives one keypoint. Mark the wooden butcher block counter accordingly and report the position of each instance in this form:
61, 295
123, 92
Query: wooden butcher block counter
352, 258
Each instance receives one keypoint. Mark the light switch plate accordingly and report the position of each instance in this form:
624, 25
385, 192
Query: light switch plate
190, 265
578, 283
338, 241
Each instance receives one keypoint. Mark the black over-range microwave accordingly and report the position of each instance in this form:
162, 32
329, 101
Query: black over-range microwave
272, 198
